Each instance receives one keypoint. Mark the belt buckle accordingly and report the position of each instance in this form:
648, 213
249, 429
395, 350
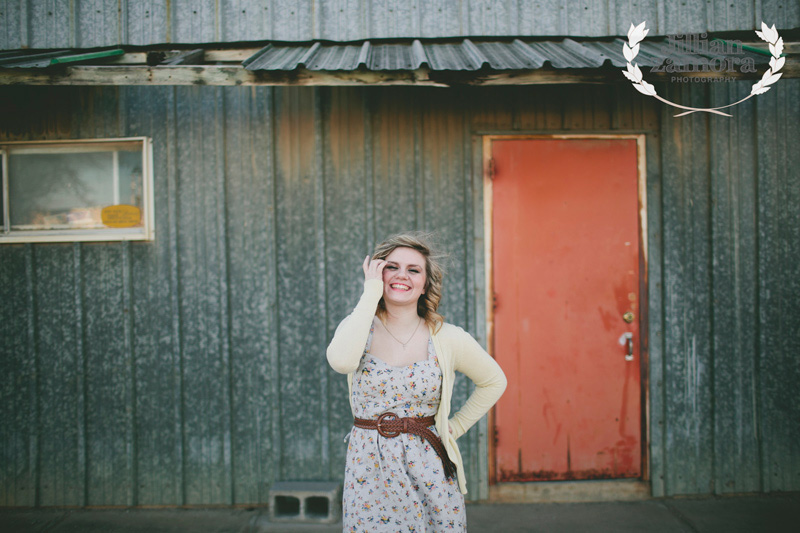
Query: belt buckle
387, 433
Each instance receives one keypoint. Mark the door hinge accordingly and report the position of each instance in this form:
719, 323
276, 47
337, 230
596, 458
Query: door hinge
496, 436
494, 301
492, 168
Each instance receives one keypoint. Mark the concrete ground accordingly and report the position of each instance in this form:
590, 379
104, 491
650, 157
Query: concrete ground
777, 512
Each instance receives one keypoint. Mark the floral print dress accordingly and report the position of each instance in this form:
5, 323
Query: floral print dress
398, 484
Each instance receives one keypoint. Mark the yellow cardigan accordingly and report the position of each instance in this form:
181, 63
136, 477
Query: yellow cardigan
455, 350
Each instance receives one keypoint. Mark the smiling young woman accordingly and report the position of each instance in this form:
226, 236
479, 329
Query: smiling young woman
403, 468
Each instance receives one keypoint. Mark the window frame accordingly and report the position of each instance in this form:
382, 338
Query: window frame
145, 232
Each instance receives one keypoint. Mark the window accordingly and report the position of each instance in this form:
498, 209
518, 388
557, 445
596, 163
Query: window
87, 190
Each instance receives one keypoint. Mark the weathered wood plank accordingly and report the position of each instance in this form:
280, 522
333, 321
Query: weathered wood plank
253, 313
199, 75
733, 237
237, 75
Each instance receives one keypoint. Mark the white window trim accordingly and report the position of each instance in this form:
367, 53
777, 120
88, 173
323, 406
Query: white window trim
144, 233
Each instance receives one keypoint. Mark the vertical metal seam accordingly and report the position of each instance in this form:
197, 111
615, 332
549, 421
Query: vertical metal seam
198, 237
127, 307
175, 292
33, 343
369, 169
128, 324
225, 294
758, 8
468, 212
73, 25
271, 18
662, 396
275, 342
709, 135
82, 370
121, 93
170, 6
122, 22
319, 200
217, 21
24, 29
419, 178
5, 188
655, 292
660, 18
757, 304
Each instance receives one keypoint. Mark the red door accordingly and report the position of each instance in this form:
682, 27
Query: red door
565, 249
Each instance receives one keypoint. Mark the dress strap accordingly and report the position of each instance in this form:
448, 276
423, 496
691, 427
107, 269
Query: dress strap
432, 350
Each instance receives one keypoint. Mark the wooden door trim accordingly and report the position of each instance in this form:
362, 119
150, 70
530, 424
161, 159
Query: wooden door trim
643, 278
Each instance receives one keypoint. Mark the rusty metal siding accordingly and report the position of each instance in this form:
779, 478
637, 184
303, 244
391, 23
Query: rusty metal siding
158, 450
687, 296
300, 272
721, 394
777, 127
250, 222
190, 370
18, 371
734, 289
94, 23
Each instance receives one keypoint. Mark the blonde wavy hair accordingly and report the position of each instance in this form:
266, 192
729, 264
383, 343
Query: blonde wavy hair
428, 302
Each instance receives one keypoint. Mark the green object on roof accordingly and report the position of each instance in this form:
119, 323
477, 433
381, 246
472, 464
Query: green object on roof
86, 57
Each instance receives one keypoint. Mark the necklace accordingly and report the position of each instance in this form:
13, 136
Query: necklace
403, 344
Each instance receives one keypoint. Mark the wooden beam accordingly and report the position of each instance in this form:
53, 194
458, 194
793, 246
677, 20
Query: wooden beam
200, 75
236, 75
188, 57
235, 55
214, 55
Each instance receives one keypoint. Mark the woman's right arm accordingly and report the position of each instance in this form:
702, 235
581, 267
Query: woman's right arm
347, 346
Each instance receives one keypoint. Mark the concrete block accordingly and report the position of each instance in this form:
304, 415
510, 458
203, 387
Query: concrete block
308, 502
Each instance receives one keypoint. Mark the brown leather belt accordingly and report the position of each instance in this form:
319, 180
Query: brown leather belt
389, 425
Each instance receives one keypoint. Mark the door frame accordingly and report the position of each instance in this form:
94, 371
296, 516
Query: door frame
644, 359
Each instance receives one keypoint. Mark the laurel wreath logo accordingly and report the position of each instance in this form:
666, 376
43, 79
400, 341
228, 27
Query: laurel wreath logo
631, 49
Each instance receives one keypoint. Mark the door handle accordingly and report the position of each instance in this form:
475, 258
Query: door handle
627, 337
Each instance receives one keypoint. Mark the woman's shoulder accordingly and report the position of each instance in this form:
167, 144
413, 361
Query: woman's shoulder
450, 331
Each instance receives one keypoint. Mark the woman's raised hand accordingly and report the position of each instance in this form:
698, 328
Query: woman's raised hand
373, 269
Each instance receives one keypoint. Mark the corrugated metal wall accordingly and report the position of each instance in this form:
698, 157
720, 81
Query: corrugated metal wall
191, 370
91, 23
724, 414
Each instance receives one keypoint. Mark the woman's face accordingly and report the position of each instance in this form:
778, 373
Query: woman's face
404, 276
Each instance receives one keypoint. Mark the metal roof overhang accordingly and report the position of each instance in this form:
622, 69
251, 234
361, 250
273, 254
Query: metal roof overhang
433, 62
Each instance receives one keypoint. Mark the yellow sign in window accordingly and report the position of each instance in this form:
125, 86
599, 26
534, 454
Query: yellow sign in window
121, 216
